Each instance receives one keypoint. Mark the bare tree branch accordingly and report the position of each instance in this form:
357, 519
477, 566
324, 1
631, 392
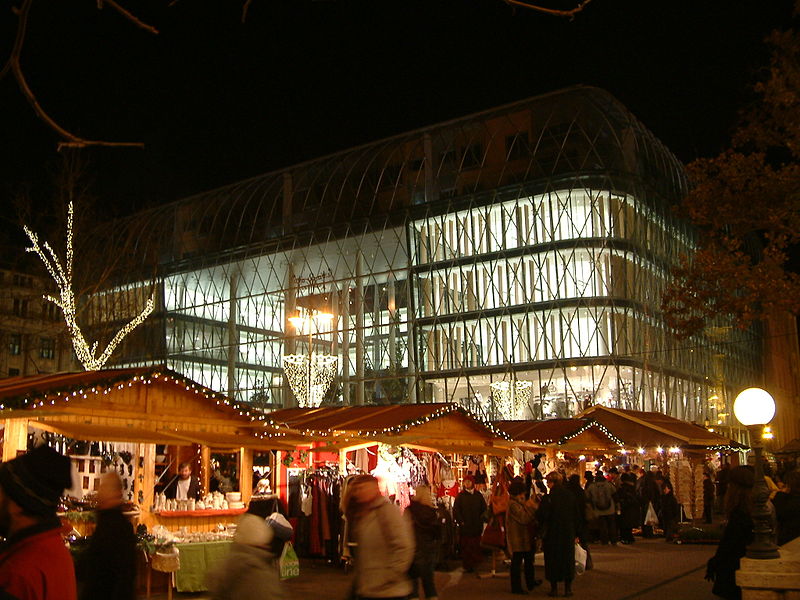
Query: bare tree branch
245, 8
550, 11
14, 66
128, 15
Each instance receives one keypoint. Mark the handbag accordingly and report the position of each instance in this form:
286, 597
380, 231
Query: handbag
494, 535
580, 559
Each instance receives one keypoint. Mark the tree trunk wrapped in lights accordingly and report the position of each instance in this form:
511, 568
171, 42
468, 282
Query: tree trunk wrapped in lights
62, 275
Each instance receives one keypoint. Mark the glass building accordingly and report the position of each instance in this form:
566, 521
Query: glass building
531, 242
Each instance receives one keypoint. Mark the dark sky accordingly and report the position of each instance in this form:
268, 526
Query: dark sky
215, 100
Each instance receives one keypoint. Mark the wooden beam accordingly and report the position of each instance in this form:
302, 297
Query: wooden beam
15, 438
205, 467
246, 473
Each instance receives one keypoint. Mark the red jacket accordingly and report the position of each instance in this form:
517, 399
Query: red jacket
35, 565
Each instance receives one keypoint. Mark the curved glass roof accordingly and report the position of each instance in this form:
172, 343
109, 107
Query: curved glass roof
563, 139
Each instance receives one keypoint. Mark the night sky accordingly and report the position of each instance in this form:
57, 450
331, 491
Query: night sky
215, 100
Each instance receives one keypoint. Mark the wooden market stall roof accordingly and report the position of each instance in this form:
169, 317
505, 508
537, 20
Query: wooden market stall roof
651, 429
569, 434
792, 447
145, 404
443, 427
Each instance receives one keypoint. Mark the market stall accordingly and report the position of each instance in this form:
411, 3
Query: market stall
402, 445
123, 415
568, 444
683, 451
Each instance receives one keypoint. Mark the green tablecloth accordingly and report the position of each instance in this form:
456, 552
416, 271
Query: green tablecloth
197, 560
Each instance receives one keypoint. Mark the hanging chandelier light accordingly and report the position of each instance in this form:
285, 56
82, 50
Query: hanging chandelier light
310, 388
511, 398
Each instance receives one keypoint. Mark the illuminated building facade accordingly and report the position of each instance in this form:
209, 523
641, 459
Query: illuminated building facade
529, 242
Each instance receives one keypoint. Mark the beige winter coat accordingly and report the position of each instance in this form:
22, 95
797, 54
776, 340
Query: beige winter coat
384, 553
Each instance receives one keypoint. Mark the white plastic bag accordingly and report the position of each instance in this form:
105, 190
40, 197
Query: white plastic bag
580, 559
651, 518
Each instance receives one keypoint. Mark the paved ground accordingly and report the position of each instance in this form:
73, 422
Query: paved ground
646, 570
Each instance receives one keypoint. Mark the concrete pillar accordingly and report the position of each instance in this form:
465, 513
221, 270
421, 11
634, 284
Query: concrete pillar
345, 308
289, 339
359, 308
233, 334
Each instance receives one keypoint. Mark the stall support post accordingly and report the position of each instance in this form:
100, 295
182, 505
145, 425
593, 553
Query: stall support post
205, 468
246, 473
145, 478
15, 438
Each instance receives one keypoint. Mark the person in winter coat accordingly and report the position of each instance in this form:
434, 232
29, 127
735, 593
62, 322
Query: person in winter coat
521, 514
601, 496
251, 568
738, 533
385, 542
107, 569
628, 503
574, 485
648, 491
708, 497
34, 563
787, 508
427, 537
469, 509
670, 513
558, 517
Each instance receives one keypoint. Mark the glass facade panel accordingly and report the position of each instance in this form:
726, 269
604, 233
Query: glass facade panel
532, 241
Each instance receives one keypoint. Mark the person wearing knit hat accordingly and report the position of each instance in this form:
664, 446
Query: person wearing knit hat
468, 511
251, 568
34, 563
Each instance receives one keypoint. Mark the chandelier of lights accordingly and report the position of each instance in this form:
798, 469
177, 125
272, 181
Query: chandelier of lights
511, 398
310, 387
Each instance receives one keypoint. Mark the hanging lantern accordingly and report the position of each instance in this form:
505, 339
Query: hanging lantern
310, 388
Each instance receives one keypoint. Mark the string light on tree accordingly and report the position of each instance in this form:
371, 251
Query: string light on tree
62, 275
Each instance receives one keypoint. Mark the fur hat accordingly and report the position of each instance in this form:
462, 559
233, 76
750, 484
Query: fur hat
422, 494
253, 531
36, 480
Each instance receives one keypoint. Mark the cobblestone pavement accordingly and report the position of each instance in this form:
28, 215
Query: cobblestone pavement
646, 570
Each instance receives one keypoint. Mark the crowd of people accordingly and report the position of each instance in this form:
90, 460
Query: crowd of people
395, 553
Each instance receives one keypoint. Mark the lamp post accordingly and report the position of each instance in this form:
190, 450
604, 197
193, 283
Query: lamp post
754, 408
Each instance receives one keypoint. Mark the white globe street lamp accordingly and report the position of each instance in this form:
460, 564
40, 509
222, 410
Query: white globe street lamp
754, 408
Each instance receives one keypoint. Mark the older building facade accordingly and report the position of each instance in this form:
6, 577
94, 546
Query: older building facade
531, 242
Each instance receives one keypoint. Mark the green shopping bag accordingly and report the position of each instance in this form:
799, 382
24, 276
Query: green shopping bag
289, 563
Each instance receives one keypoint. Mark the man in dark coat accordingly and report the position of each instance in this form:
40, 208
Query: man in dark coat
34, 564
558, 518
184, 485
648, 491
107, 570
628, 503
469, 509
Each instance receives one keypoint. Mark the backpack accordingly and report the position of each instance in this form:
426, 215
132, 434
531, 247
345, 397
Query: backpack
602, 499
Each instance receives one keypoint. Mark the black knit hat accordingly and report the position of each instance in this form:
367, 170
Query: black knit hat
36, 480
